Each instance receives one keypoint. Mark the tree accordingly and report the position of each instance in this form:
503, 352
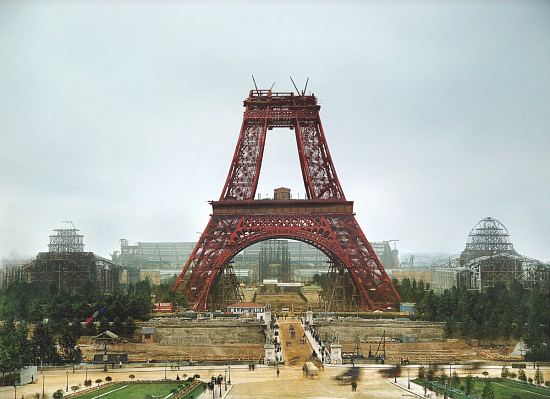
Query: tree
88, 383
129, 326
70, 352
103, 324
442, 377
98, 381
430, 375
76, 328
530, 380
469, 385
131, 376
89, 329
117, 328
521, 375
75, 388
43, 344
14, 347
58, 394
488, 391
485, 374
539, 378
455, 380
421, 372
504, 373
108, 378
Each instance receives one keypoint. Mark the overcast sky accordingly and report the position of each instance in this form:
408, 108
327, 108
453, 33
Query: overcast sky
123, 116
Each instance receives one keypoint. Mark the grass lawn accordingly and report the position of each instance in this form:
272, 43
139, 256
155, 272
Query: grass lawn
504, 389
132, 391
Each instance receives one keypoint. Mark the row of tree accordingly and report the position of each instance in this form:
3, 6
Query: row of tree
498, 312
32, 302
18, 350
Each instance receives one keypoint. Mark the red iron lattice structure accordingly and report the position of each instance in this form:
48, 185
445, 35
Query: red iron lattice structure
325, 219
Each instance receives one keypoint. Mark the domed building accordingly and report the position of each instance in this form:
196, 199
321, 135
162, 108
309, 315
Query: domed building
489, 259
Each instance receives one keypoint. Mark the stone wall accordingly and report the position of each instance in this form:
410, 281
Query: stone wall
206, 333
371, 330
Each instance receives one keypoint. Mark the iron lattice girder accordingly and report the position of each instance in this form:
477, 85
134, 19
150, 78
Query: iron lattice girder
325, 220
265, 111
337, 234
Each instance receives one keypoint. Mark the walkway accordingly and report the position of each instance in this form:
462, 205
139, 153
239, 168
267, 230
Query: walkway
317, 348
294, 351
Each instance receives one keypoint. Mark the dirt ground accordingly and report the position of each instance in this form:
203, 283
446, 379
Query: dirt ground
295, 351
261, 383
290, 300
435, 352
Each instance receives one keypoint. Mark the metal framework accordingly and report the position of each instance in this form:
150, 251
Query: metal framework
325, 219
489, 259
488, 237
274, 260
339, 292
504, 268
70, 268
66, 240
227, 290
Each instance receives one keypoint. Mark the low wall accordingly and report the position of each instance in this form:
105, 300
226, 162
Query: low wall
370, 330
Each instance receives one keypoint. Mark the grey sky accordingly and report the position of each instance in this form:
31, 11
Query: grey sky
123, 116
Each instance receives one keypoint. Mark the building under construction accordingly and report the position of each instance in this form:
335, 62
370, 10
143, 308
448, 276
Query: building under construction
489, 259
159, 261
274, 262
68, 266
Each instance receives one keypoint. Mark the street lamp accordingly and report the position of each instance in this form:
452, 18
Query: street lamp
86, 379
15, 387
67, 387
213, 384
225, 379
43, 379
165, 369
408, 378
220, 384
229, 381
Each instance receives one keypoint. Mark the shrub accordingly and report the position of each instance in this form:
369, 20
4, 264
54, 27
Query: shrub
504, 373
75, 388
108, 378
521, 375
131, 376
58, 394
421, 372
98, 381
88, 383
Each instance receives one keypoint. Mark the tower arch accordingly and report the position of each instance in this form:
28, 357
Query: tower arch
324, 218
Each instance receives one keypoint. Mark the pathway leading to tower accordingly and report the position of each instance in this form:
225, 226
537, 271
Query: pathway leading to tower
296, 348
